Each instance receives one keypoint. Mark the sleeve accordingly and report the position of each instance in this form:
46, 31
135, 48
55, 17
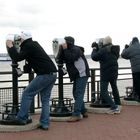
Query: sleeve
97, 55
17, 56
126, 53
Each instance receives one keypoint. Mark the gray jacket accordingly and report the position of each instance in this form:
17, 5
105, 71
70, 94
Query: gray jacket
133, 54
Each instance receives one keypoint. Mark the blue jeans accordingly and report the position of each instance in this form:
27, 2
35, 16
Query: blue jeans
79, 86
106, 97
42, 84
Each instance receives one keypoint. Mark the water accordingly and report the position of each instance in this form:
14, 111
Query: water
6, 66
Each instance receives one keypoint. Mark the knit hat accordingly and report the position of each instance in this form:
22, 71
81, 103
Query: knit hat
25, 35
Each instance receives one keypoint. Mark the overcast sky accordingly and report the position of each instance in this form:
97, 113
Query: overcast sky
85, 20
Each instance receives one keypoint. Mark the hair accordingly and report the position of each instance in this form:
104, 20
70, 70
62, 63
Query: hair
107, 40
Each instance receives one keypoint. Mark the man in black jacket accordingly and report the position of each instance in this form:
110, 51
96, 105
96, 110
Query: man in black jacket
108, 55
78, 71
43, 66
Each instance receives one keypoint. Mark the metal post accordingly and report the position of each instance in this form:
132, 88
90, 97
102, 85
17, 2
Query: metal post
60, 108
15, 106
93, 95
15, 88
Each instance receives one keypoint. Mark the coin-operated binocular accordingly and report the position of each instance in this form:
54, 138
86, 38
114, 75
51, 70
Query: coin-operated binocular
9, 117
58, 52
16, 39
61, 106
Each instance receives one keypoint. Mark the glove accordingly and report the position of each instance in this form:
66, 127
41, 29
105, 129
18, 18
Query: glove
126, 46
94, 44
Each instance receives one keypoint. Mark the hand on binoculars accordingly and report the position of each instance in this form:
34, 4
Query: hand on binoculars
9, 43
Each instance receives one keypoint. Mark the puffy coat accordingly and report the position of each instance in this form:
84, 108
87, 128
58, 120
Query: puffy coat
107, 56
133, 54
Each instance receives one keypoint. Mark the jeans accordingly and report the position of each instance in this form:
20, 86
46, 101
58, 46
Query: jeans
79, 86
42, 84
105, 95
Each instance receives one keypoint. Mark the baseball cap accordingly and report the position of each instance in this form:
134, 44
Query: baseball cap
25, 35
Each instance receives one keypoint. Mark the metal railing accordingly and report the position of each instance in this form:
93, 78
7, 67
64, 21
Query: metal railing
93, 84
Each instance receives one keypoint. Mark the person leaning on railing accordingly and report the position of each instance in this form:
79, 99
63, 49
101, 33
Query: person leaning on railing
78, 71
43, 66
107, 54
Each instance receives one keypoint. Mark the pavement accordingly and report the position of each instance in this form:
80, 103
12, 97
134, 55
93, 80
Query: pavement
98, 126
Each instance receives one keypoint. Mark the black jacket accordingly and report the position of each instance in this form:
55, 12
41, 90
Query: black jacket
107, 56
35, 56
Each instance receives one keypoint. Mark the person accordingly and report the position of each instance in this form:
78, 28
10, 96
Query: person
107, 54
45, 70
78, 71
132, 52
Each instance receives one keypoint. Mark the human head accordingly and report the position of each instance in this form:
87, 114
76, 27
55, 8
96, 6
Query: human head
134, 39
25, 35
69, 40
107, 40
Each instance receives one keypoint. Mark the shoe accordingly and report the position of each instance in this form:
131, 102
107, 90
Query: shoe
29, 120
114, 111
43, 128
17, 122
74, 119
85, 115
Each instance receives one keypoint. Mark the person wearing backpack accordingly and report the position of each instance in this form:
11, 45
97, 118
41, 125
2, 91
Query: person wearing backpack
107, 54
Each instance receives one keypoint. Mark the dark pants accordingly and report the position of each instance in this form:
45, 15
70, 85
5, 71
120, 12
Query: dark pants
105, 95
136, 83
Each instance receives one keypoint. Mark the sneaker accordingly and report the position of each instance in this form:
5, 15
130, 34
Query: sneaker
74, 119
85, 115
43, 128
114, 111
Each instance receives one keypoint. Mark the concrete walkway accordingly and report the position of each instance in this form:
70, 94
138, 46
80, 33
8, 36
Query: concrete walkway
125, 126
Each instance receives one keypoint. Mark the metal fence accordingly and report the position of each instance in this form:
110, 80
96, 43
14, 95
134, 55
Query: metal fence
93, 84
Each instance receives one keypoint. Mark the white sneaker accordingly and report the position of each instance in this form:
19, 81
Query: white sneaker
114, 111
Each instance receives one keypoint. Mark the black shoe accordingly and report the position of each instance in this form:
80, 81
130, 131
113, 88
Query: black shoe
29, 120
43, 128
16, 121
85, 115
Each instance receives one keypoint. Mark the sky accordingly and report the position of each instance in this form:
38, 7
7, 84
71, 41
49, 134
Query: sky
85, 20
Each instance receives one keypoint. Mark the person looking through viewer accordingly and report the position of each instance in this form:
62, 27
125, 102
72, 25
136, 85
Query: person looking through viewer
45, 69
107, 54
78, 71
132, 53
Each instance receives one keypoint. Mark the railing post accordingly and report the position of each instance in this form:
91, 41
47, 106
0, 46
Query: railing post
93, 96
15, 106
